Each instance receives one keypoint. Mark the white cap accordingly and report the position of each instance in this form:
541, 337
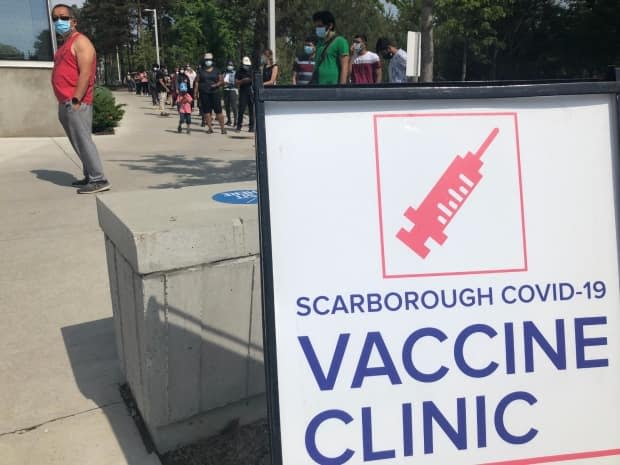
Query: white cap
209, 56
246, 61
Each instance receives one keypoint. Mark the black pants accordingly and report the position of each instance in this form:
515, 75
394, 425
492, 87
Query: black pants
154, 95
230, 103
245, 100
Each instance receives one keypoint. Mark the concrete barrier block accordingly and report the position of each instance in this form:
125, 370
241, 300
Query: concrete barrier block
185, 284
178, 228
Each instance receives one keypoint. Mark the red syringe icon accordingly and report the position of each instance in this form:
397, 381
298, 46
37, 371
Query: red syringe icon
444, 200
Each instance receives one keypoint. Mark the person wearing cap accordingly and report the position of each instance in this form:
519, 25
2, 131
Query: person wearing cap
207, 86
243, 82
230, 93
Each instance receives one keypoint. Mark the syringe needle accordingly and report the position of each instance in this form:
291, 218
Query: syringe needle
485, 145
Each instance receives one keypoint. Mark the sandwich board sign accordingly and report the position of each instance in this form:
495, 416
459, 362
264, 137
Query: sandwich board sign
440, 274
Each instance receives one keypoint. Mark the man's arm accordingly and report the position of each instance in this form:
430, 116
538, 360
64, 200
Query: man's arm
85, 55
344, 68
220, 81
378, 72
196, 81
163, 83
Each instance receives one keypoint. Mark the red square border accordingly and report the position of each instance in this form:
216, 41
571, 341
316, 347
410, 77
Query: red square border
384, 271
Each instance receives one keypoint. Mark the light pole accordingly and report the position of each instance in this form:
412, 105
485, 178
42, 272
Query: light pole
154, 11
272, 27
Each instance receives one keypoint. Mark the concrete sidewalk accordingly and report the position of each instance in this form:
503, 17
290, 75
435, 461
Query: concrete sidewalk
59, 396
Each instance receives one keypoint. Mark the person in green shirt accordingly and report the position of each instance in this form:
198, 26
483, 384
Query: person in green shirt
332, 51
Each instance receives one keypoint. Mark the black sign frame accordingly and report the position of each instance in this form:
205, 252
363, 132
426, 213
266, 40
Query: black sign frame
384, 92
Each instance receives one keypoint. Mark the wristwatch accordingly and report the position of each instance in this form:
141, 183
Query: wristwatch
75, 101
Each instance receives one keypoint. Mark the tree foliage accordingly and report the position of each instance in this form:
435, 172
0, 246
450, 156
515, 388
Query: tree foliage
472, 39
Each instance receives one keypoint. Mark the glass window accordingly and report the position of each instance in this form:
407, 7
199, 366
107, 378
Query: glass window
25, 30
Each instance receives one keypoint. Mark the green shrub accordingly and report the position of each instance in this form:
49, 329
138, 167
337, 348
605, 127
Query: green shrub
106, 112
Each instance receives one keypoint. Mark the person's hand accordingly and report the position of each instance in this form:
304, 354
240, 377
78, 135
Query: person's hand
76, 107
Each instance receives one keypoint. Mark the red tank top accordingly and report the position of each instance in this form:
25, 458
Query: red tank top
66, 72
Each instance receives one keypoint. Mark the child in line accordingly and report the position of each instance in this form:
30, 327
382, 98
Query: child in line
184, 103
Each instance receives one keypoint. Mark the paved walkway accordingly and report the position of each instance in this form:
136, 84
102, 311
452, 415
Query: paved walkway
59, 395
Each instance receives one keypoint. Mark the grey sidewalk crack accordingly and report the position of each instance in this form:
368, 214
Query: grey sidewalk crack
53, 420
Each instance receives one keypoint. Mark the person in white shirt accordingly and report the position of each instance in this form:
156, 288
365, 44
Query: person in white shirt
397, 57
191, 74
230, 93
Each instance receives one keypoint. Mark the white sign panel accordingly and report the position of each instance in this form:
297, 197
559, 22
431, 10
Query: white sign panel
445, 280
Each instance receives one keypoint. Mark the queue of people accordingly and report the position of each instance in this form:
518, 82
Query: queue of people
184, 89
327, 59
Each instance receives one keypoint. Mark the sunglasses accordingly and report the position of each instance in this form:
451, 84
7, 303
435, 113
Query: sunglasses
64, 18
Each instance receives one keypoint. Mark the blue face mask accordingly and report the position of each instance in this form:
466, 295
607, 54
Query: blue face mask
62, 27
309, 49
321, 32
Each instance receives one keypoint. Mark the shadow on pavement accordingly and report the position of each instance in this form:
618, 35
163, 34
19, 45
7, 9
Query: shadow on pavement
91, 349
60, 178
192, 350
193, 171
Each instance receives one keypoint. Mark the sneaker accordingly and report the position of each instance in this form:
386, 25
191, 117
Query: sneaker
179, 129
80, 182
228, 123
224, 131
210, 131
94, 187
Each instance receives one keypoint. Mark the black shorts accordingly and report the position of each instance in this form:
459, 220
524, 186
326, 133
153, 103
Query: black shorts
185, 118
211, 102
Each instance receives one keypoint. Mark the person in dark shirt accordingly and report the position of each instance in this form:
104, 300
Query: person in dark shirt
162, 90
243, 81
182, 77
270, 69
207, 88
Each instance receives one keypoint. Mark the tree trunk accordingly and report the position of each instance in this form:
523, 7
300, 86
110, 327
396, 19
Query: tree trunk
493, 76
464, 63
428, 49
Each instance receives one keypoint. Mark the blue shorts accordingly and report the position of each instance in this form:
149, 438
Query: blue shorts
185, 118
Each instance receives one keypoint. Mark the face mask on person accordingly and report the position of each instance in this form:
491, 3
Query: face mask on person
321, 32
308, 49
230, 68
62, 26
357, 47
388, 55
209, 63
263, 60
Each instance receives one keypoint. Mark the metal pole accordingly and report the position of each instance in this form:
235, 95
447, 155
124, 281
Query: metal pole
272, 27
156, 35
118, 65
51, 23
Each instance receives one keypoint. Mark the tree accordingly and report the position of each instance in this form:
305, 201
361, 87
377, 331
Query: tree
427, 58
472, 24
8, 52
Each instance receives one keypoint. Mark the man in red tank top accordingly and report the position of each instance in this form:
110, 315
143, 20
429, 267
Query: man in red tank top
73, 80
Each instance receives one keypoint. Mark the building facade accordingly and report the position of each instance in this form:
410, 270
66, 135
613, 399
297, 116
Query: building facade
27, 45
